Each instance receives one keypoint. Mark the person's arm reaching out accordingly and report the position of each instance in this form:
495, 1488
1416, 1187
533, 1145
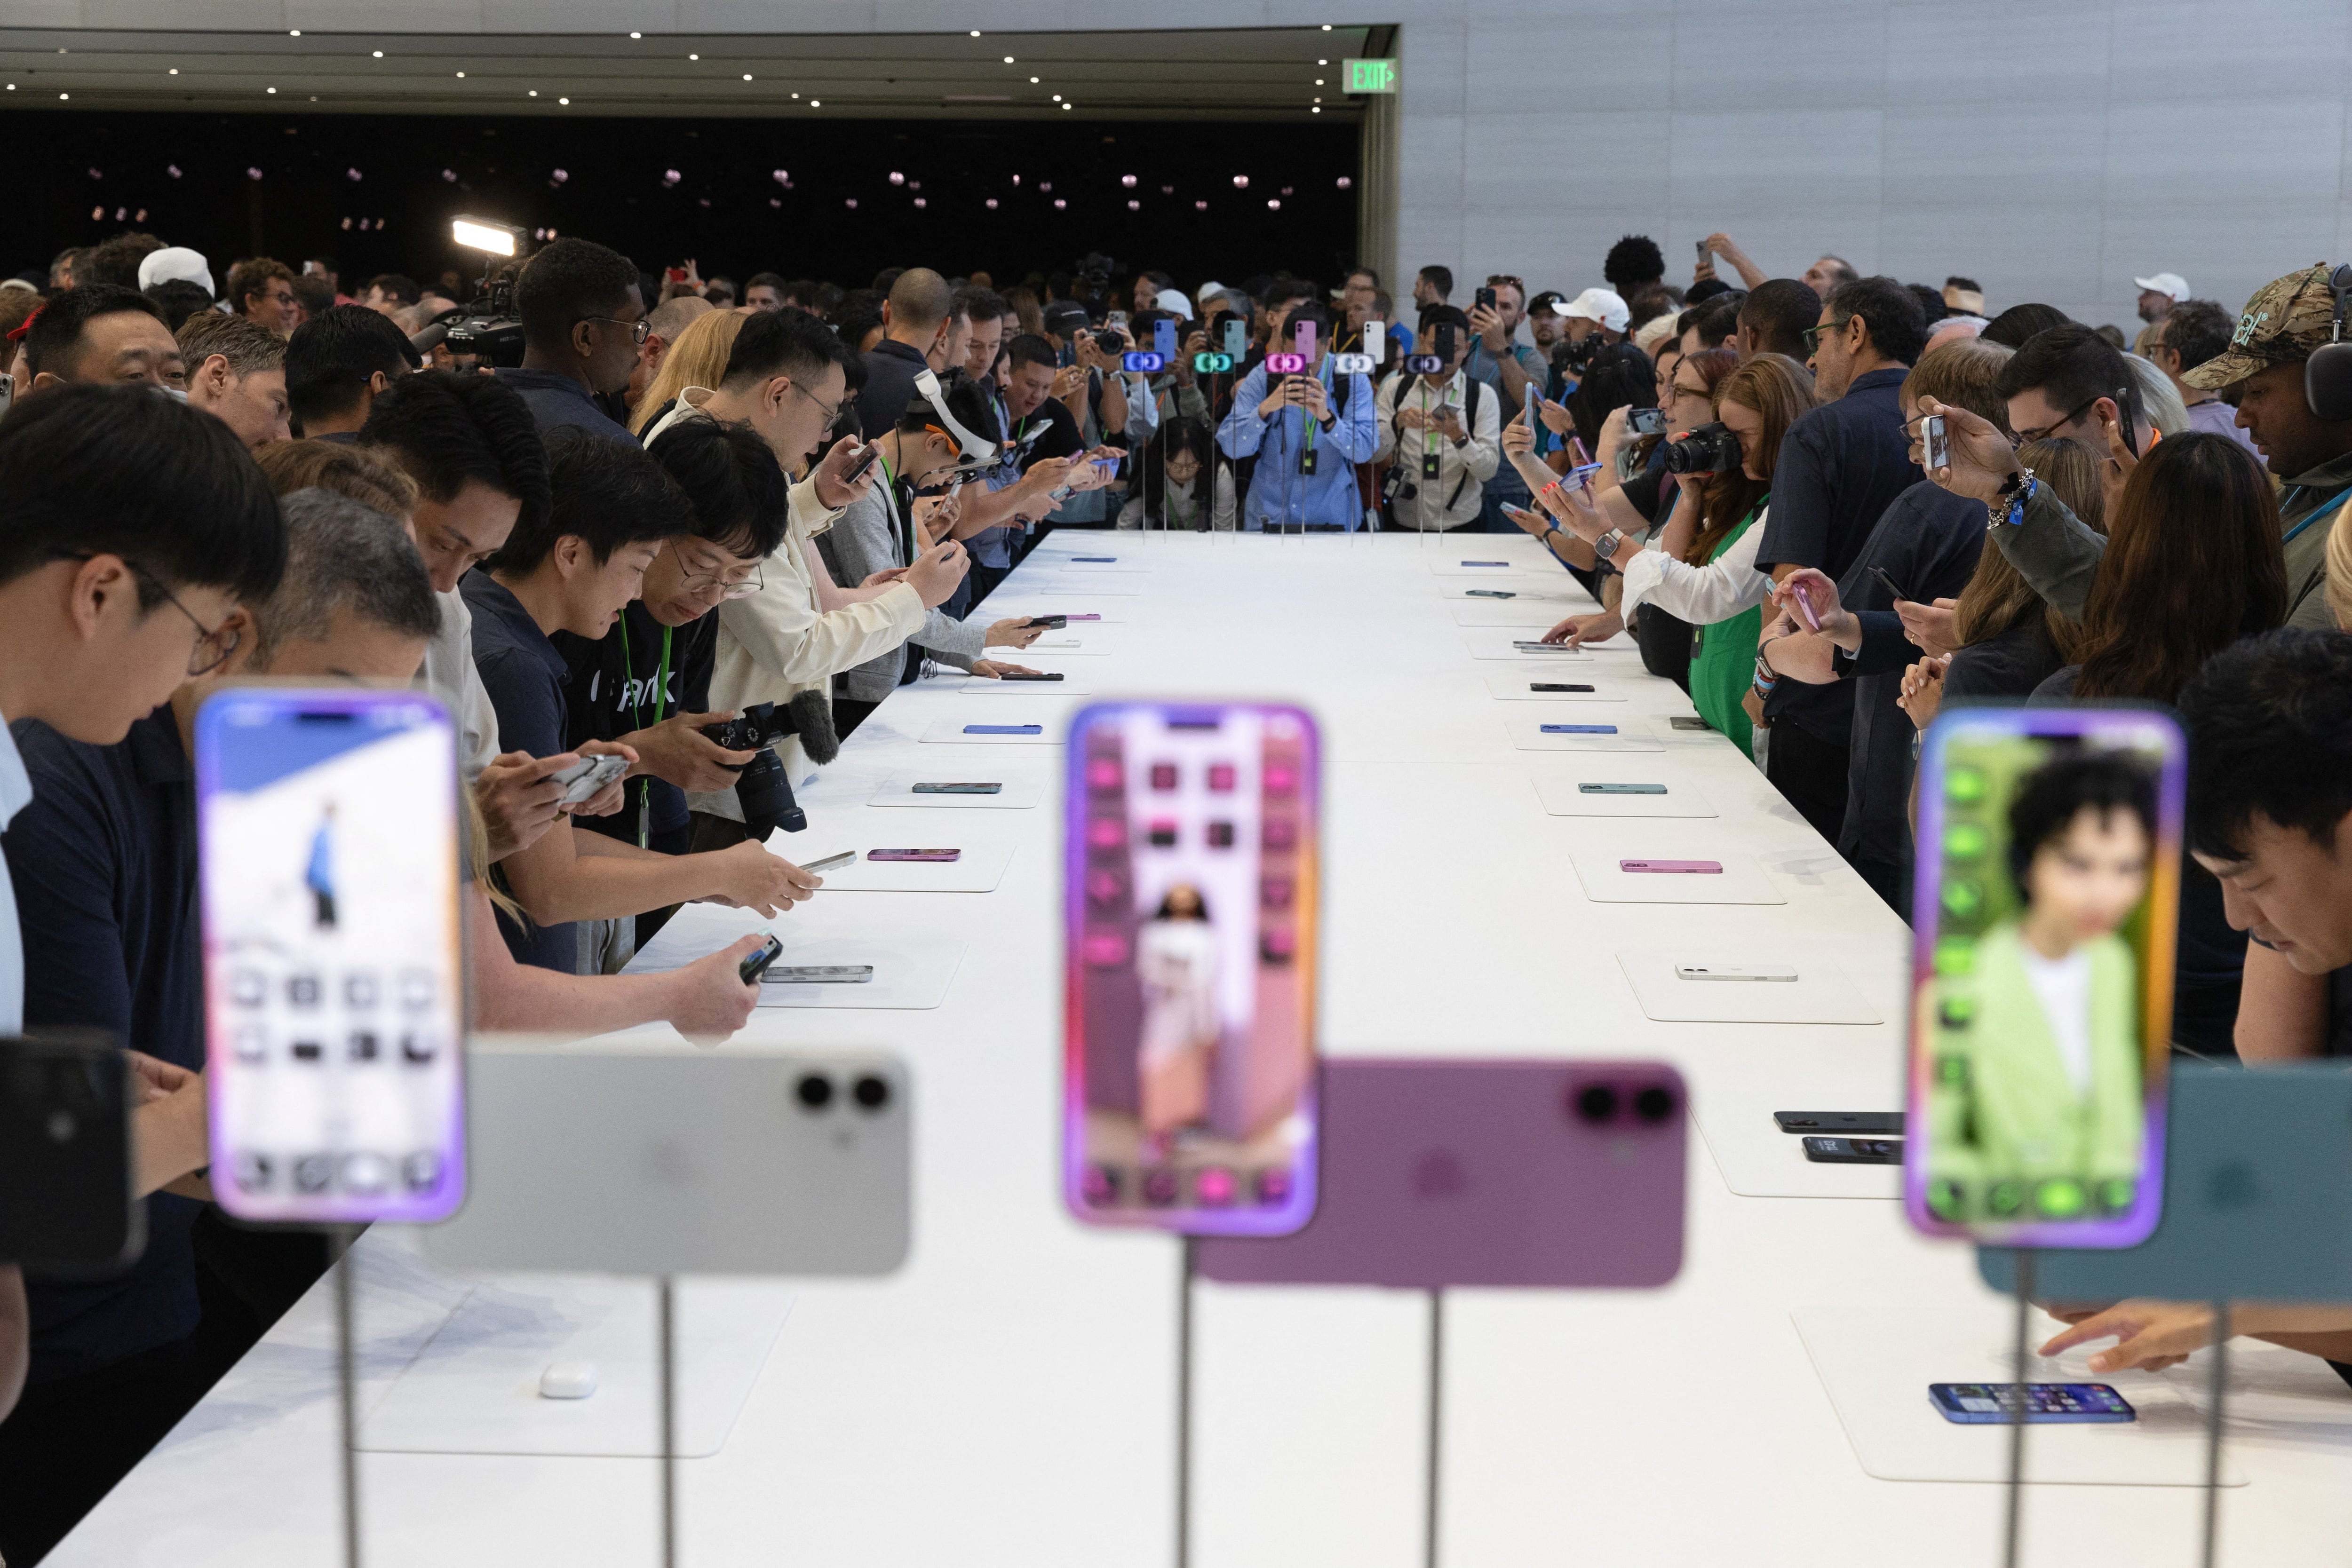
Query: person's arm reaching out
704, 1000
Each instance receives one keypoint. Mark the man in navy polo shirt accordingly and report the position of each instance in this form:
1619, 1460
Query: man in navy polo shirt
582, 322
130, 532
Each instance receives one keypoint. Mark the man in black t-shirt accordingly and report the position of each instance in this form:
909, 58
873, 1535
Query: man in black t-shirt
647, 682
2270, 791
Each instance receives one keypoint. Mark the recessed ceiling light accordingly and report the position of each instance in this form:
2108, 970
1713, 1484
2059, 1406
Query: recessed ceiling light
694, 56
534, 92
271, 91
1008, 59
64, 95
796, 95
1057, 98
461, 76
1327, 27
1033, 81
1066, 106
816, 103
377, 53
1318, 81
637, 34
564, 101
175, 70
747, 76
1322, 62
975, 32
1317, 110
291, 32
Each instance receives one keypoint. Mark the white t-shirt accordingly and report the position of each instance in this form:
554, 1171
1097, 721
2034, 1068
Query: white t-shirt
2063, 985
16, 794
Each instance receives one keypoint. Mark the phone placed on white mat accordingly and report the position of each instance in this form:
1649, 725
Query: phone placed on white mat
1735, 971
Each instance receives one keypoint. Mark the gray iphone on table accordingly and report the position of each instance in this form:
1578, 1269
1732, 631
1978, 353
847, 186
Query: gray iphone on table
678, 1162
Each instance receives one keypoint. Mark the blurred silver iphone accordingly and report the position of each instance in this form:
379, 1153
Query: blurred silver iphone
1735, 971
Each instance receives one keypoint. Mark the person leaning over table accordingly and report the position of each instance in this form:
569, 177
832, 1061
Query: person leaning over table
1701, 567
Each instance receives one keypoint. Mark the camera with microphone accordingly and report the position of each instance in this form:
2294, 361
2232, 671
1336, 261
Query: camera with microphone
761, 788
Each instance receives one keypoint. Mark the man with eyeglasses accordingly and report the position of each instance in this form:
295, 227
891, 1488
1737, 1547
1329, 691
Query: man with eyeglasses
646, 683
1840, 467
2287, 320
582, 324
263, 289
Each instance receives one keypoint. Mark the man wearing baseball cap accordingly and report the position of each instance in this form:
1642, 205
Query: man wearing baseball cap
2158, 295
1596, 309
2287, 321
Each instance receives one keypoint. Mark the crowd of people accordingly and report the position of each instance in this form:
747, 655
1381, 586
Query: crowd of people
676, 510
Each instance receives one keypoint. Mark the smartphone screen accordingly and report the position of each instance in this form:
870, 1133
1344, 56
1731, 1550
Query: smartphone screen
2047, 894
327, 827
1191, 900
1998, 1404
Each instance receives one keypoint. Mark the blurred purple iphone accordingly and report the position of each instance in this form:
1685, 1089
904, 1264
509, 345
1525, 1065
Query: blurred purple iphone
927, 857
1442, 1173
1804, 602
1692, 868
1191, 902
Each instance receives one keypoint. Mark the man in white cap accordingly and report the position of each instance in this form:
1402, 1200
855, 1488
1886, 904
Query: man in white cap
176, 261
1595, 310
2158, 295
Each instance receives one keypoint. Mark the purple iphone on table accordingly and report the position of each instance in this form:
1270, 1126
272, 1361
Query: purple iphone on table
1462, 1172
1191, 902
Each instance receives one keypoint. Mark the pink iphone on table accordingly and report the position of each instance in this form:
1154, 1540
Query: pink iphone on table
1692, 868
927, 857
1191, 856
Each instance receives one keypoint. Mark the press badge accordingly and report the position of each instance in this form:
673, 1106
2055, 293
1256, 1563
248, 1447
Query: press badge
1307, 460
1429, 464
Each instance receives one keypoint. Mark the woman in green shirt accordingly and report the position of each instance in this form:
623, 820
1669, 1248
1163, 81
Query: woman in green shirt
1701, 567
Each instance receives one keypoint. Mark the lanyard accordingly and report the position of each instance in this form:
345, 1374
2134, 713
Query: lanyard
637, 711
2326, 511
904, 516
1428, 431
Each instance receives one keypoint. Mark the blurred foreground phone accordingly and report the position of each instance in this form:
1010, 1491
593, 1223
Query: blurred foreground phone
1453, 1172
1375, 345
1854, 1151
1163, 339
1191, 899
1861, 1124
1236, 338
65, 1204
2046, 899
675, 1162
1998, 1404
327, 826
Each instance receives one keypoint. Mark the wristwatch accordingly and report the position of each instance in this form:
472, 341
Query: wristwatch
1605, 547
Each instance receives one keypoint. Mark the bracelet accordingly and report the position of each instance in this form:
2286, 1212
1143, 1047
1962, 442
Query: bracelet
2015, 491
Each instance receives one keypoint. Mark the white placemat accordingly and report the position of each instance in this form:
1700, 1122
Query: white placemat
1100, 617
474, 1388
1875, 1363
1019, 792
1542, 615
909, 972
1820, 994
1517, 688
1077, 680
976, 870
1455, 563
957, 730
1741, 880
1498, 644
1105, 585
1630, 735
1563, 794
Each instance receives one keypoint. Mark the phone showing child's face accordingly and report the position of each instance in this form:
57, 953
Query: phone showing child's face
2046, 899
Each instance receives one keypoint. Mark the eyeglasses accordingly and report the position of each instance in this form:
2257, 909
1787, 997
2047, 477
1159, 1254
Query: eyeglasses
2022, 437
1813, 335
701, 584
214, 643
639, 329
832, 409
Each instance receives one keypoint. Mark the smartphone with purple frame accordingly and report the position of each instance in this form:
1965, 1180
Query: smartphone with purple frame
327, 825
1305, 338
2044, 907
1192, 843
1450, 1172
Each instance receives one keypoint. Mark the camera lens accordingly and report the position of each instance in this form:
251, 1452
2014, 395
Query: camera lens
1597, 1102
814, 1091
1653, 1105
871, 1092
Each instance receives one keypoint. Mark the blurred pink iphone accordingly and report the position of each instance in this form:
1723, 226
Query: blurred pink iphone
1438, 1173
926, 856
1697, 868
1191, 904
1305, 338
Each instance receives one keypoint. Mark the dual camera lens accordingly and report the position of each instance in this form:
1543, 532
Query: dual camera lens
815, 1091
1600, 1104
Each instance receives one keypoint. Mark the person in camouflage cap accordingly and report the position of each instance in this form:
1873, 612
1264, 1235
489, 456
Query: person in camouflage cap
2287, 320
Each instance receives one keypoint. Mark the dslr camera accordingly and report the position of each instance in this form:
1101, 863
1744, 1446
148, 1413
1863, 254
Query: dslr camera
487, 331
1710, 449
761, 788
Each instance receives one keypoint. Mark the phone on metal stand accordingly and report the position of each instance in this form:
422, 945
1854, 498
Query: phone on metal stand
334, 988
2045, 909
1191, 899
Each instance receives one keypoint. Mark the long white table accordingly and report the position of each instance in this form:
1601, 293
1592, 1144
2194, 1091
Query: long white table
1010, 1396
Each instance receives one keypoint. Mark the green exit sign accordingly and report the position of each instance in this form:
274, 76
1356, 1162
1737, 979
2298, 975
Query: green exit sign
1370, 76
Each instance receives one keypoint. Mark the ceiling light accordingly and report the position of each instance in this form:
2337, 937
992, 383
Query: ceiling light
534, 92
1008, 59
271, 91
1033, 81
291, 32
796, 95
461, 76
1065, 106
1318, 81
1322, 62
1317, 110
637, 34
377, 53
694, 56
747, 76
1057, 98
175, 70
564, 101
483, 234
1327, 27
817, 104
975, 32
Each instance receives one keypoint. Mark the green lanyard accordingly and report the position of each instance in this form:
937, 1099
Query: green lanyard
1428, 431
905, 515
637, 711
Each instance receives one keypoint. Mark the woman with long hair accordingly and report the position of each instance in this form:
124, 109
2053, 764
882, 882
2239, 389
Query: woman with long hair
699, 358
1701, 567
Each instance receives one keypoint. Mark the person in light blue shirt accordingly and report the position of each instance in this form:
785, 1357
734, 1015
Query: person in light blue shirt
1308, 434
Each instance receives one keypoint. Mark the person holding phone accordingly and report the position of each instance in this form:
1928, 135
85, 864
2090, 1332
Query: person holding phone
2034, 1093
1308, 429
1440, 432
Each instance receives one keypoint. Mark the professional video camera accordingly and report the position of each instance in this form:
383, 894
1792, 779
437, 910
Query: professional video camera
762, 790
487, 331
1710, 449
1093, 280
